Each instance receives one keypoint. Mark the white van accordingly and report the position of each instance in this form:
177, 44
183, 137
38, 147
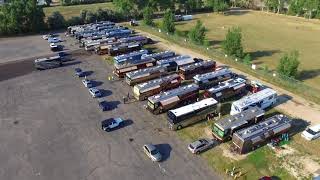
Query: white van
311, 133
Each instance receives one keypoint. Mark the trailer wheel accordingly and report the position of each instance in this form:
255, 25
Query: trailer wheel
179, 127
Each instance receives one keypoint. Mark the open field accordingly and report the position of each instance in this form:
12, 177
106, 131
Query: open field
267, 36
69, 11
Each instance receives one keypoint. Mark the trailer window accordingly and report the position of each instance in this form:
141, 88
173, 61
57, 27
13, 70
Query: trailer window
218, 131
151, 105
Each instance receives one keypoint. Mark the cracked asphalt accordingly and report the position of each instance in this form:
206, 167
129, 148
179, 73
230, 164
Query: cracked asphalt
50, 129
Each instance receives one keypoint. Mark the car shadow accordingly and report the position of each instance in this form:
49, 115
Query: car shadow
87, 73
112, 105
96, 83
105, 93
165, 151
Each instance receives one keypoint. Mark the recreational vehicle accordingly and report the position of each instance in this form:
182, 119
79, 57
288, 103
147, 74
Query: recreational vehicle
173, 98
262, 99
210, 79
159, 55
255, 136
130, 57
192, 113
144, 90
223, 129
122, 69
188, 71
227, 89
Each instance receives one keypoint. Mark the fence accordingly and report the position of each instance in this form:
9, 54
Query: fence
290, 84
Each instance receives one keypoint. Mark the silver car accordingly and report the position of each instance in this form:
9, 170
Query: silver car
152, 152
95, 92
200, 145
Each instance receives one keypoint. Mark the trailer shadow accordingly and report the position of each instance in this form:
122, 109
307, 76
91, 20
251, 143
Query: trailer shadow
283, 98
165, 151
298, 125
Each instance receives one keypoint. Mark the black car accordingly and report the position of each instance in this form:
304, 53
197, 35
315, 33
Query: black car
104, 106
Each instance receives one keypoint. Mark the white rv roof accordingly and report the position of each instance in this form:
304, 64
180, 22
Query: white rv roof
193, 107
253, 98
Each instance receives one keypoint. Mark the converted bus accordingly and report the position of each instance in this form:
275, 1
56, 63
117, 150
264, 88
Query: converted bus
262, 99
114, 50
143, 75
188, 71
173, 98
121, 70
210, 79
192, 113
223, 129
142, 39
227, 89
255, 136
144, 90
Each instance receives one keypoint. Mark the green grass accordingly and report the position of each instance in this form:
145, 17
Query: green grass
267, 36
70, 11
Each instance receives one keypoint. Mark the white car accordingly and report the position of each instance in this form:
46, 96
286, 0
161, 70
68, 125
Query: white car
95, 92
87, 83
53, 40
152, 152
110, 124
200, 145
311, 133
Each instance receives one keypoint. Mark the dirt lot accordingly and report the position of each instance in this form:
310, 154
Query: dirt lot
50, 129
20, 48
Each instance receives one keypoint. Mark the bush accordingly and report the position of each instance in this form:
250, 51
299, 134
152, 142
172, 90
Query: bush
198, 33
147, 16
288, 65
56, 21
247, 59
75, 20
232, 45
168, 22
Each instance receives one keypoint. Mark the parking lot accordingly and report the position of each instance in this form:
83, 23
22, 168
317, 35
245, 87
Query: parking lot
51, 129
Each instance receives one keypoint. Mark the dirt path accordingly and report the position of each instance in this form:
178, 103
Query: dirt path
289, 103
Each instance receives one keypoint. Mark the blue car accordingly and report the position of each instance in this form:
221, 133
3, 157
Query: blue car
79, 72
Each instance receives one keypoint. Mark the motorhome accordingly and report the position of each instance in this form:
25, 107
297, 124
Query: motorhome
188, 71
208, 80
262, 99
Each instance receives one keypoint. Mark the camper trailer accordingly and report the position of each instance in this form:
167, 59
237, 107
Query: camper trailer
227, 89
223, 129
159, 55
180, 60
262, 99
255, 136
122, 69
130, 57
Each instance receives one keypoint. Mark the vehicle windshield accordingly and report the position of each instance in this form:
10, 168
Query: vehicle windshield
311, 132
150, 104
155, 151
218, 131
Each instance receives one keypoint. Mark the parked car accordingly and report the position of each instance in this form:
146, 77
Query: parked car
104, 106
87, 83
54, 47
53, 40
95, 92
46, 37
311, 133
111, 123
200, 145
152, 152
79, 72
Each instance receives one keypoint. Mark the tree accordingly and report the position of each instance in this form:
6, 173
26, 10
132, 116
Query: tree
48, 2
232, 44
75, 20
83, 15
218, 5
247, 59
198, 33
56, 21
289, 64
147, 16
125, 7
90, 17
168, 22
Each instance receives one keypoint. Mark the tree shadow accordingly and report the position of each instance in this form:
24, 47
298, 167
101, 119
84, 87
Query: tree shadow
236, 12
105, 93
308, 74
165, 151
215, 43
275, 178
257, 54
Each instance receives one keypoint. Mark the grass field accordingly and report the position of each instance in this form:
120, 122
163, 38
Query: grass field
267, 36
69, 11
